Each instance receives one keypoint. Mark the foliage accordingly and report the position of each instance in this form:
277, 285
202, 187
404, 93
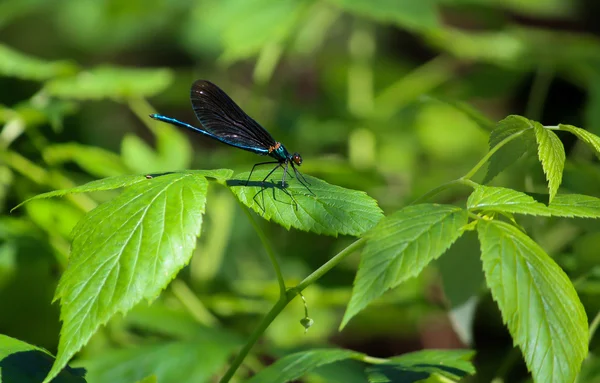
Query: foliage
159, 275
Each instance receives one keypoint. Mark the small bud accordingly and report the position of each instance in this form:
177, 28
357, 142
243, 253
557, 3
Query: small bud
306, 322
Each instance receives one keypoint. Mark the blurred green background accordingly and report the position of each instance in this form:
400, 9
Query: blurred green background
393, 97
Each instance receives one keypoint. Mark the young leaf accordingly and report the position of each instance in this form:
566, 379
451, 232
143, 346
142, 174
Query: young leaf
552, 156
419, 365
16, 64
94, 160
332, 210
111, 83
294, 366
524, 141
537, 301
126, 250
400, 246
575, 205
24, 363
503, 200
589, 138
499, 199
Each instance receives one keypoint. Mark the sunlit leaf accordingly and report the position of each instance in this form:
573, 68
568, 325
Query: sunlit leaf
332, 210
521, 129
294, 366
400, 246
417, 366
17, 64
498, 199
589, 138
552, 156
96, 161
537, 300
111, 83
126, 250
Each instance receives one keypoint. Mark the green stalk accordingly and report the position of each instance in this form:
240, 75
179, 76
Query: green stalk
283, 302
489, 154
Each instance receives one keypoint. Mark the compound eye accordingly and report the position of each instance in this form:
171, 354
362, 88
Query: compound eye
297, 159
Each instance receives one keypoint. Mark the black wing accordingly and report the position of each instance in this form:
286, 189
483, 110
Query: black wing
222, 118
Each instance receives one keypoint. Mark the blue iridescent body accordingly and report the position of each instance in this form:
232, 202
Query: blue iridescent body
223, 120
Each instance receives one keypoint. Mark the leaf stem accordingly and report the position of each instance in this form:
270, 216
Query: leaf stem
258, 331
268, 249
312, 278
489, 154
466, 179
283, 301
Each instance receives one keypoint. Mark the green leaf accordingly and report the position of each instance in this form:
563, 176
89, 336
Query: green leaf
537, 301
512, 126
575, 205
110, 183
415, 15
24, 363
333, 210
16, 64
96, 161
417, 366
503, 200
400, 246
589, 138
190, 361
552, 156
344, 371
98, 185
126, 250
10, 345
499, 199
111, 83
296, 365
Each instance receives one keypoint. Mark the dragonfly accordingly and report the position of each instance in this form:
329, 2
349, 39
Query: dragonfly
223, 120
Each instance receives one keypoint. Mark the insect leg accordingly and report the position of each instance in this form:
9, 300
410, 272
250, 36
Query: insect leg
260, 163
302, 180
